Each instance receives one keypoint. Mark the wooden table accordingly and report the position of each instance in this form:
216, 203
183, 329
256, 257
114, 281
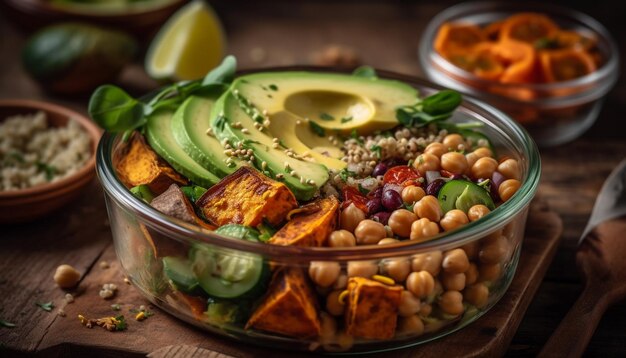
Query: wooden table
384, 35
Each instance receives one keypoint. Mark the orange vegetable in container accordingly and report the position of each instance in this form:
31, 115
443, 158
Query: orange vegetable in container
565, 65
528, 27
455, 38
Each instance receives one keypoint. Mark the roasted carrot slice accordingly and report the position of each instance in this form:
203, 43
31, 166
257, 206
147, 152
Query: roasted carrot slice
528, 27
520, 58
453, 37
574, 40
485, 64
566, 64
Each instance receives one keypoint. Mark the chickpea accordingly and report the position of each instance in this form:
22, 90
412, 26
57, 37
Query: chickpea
483, 152
350, 217
471, 159
409, 304
410, 326
324, 273
341, 283
454, 162
453, 219
510, 169
426, 162
451, 302
365, 269
484, 168
508, 188
421, 283
455, 261
453, 281
388, 240
429, 262
342, 342
477, 211
425, 310
436, 148
428, 207
423, 229
471, 276
400, 222
452, 141
494, 251
341, 238
333, 306
328, 328
412, 193
398, 268
489, 273
477, 294
471, 249
369, 232
66, 276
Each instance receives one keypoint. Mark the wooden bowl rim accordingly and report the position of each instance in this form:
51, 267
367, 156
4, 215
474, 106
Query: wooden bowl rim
88, 169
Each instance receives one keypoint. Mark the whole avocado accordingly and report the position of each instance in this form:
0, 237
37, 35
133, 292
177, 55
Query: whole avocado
74, 58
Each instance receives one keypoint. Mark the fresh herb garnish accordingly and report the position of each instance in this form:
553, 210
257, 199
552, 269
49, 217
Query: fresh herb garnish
355, 135
363, 190
6, 324
432, 109
273, 87
120, 323
346, 119
326, 117
116, 111
317, 129
545, 43
266, 230
344, 174
47, 306
48, 169
193, 192
365, 71
377, 149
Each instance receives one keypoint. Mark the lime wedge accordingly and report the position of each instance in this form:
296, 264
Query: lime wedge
189, 44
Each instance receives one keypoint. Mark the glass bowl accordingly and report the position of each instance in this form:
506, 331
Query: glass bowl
143, 236
553, 113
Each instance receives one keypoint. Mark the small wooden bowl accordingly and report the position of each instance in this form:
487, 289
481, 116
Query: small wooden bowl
28, 204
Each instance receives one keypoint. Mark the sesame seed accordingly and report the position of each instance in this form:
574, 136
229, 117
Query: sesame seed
265, 112
298, 122
311, 181
264, 165
302, 180
275, 145
275, 140
209, 131
245, 131
266, 123
280, 176
293, 173
229, 152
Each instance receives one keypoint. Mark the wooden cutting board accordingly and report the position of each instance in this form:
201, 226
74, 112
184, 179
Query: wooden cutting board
162, 335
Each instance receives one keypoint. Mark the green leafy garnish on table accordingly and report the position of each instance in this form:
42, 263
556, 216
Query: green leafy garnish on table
6, 324
47, 306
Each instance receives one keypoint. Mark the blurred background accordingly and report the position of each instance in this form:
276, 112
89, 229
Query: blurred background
383, 34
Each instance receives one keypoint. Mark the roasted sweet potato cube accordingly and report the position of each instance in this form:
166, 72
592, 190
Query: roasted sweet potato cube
289, 307
247, 197
136, 163
311, 229
372, 308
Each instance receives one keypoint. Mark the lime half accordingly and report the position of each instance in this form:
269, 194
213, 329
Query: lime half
189, 44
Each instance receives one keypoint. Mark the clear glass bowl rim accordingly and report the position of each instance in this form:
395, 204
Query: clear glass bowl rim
182, 231
605, 76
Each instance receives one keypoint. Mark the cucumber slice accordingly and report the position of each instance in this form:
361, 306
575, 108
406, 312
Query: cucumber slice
227, 273
178, 270
462, 195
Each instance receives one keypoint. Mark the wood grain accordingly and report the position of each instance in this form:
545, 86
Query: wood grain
490, 335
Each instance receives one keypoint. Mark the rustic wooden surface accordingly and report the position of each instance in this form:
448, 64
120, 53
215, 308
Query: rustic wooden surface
385, 35
165, 336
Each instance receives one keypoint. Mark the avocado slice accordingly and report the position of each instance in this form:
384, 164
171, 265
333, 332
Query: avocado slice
161, 139
335, 102
232, 123
189, 126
